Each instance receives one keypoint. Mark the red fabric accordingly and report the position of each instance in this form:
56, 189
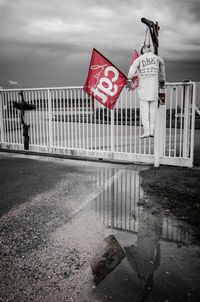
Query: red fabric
104, 81
134, 83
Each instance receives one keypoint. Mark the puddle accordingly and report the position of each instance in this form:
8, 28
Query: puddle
145, 255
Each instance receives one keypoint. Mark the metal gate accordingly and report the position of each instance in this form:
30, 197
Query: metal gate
67, 121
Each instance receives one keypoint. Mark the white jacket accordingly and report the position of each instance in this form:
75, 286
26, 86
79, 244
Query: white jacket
151, 69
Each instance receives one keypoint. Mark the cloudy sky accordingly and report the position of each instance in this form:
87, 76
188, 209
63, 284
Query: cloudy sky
49, 42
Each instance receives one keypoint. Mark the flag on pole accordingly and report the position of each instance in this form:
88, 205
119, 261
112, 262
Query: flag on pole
105, 81
134, 83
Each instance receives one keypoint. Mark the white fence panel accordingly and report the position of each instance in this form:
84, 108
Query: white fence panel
177, 119
69, 122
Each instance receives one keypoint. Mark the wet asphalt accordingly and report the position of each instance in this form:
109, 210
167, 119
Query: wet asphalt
79, 231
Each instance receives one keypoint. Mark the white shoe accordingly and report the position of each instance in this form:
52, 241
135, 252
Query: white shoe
145, 135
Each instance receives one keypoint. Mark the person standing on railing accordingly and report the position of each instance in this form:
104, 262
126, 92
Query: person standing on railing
151, 71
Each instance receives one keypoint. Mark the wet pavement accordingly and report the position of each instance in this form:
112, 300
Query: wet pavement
87, 232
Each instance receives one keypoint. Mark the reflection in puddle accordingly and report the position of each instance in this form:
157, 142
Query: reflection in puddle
146, 256
117, 204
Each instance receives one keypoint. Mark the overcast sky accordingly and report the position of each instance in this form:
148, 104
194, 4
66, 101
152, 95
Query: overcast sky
49, 42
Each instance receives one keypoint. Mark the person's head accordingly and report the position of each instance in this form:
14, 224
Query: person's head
145, 48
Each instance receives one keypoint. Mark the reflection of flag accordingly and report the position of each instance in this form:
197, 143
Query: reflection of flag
104, 81
134, 83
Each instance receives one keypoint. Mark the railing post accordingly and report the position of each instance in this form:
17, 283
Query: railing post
186, 122
112, 130
159, 135
50, 118
194, 87
1, 120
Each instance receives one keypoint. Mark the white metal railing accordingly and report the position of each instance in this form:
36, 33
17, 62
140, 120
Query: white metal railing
176, 124
68, 121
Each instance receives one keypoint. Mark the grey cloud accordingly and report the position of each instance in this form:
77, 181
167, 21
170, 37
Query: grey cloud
43, 57
193, 8
41, 65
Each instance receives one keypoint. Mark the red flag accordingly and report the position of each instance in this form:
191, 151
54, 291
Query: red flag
134, 83
104, 81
